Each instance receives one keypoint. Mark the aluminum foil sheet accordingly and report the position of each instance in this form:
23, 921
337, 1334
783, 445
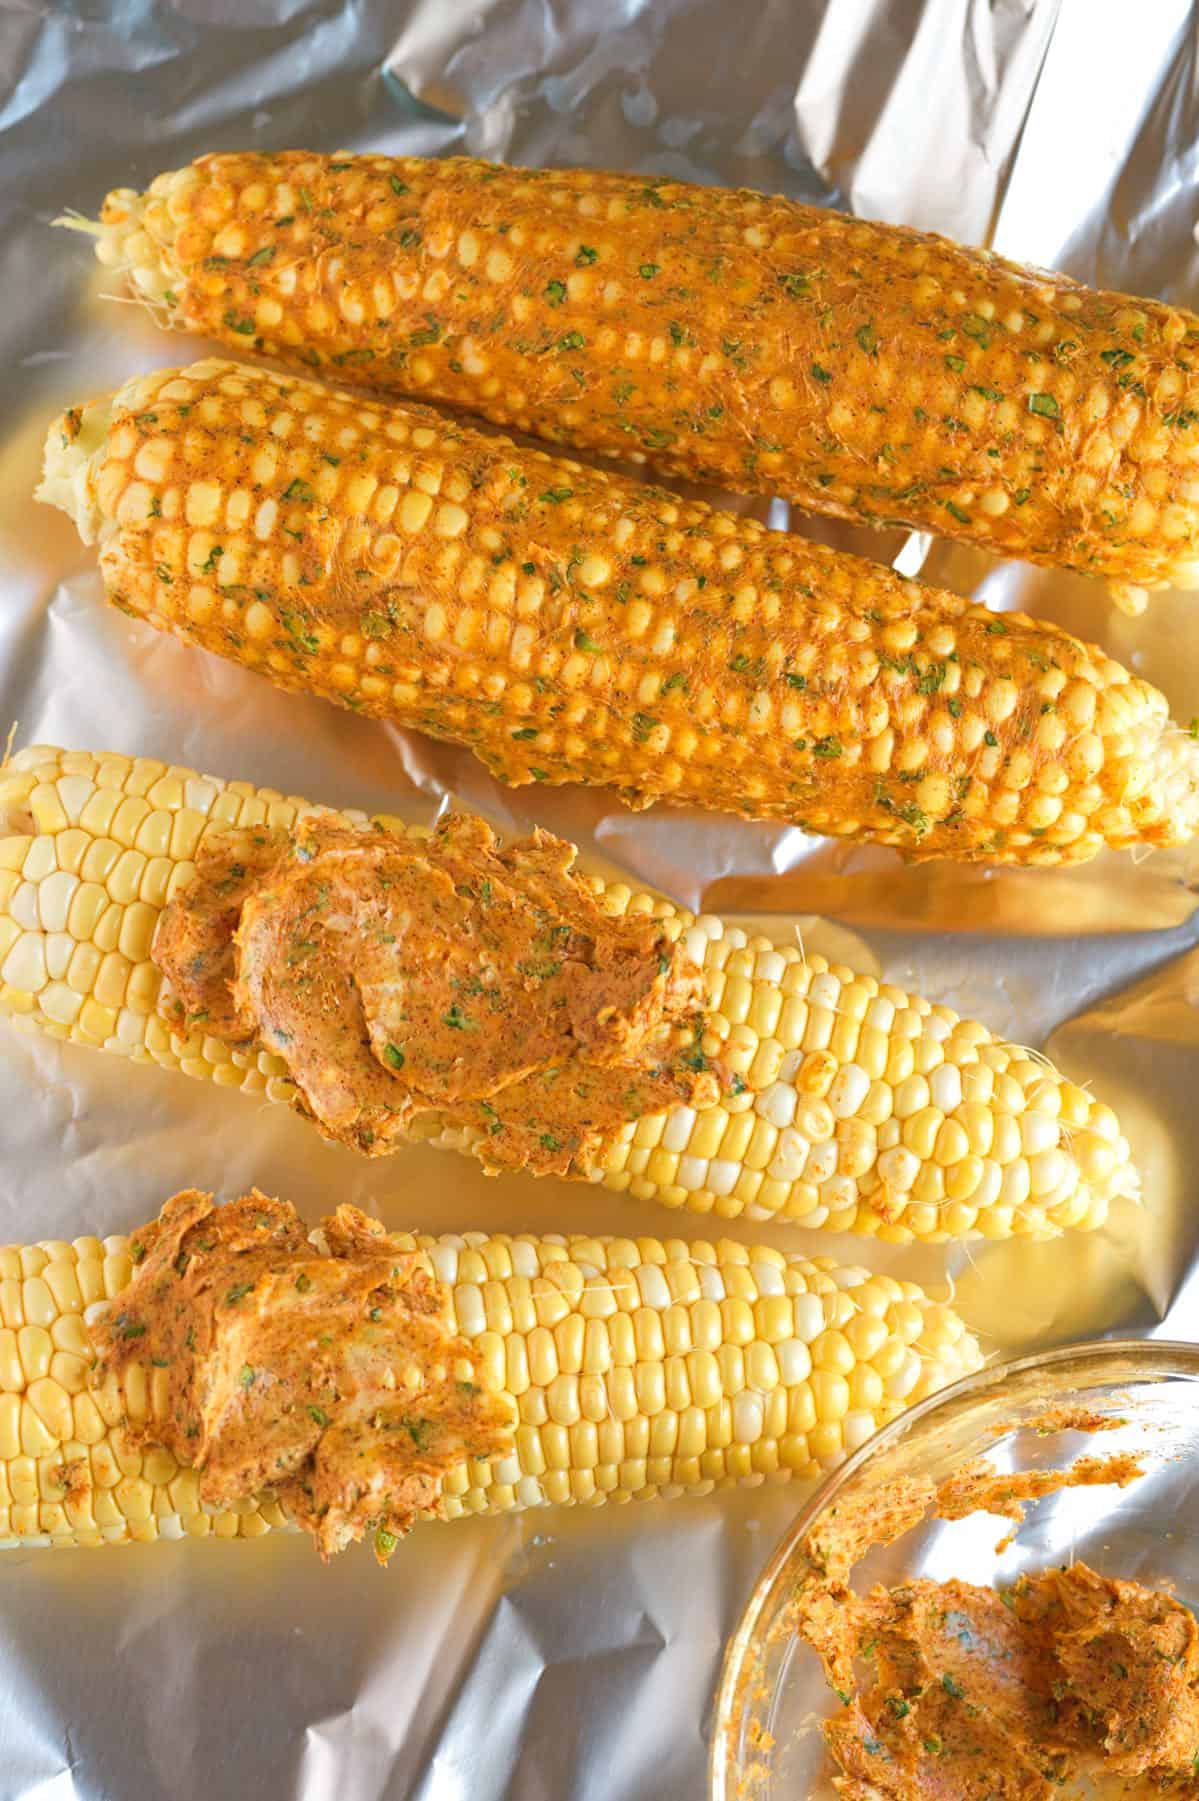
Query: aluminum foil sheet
552, 1656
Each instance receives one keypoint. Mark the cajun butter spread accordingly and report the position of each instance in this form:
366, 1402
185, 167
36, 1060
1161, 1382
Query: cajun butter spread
976, 1694
329, 1377
474, 984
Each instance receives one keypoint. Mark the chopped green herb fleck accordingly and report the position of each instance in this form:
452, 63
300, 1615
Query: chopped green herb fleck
1045, 405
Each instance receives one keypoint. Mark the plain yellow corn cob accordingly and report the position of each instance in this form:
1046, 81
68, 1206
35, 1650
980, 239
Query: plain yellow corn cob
858, 369
574, 626
858, 1107
635, 1368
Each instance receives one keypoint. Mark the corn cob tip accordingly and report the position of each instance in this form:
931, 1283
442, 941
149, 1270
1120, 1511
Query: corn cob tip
125, 245
1169, 774
75, 440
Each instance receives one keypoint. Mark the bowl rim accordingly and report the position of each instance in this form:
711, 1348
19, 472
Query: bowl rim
1166, 1352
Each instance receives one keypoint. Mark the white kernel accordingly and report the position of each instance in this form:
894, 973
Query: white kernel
723, 1175
74, 792
748, 1417
825, 990
794, 1361
1038, 1133
1048, 1171
790, 1156
680, 1123
653, 1286
469, 1309
199, 794
837, 1192
899, 1167
768, 1277
41, 859
524, 1257
444, 1258
1015, 1183
23, 907
24, 968
945, 1087
693, 1173
880, 1013
822, 1162
776, 1104
809, 1317
849, 1089
711, 1282
696, 942
769, 966
904, 1379
856, 1428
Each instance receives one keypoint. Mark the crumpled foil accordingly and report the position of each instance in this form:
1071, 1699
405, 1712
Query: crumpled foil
554, 1656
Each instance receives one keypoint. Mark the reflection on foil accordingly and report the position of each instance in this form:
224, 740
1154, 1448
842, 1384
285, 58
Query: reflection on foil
559, 1655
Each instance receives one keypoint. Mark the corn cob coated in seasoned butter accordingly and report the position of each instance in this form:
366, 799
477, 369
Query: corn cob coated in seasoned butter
574, 626
859, 369
854, 1105
635, 1368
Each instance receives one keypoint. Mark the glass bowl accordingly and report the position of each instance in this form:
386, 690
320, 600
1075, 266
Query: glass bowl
767, 1743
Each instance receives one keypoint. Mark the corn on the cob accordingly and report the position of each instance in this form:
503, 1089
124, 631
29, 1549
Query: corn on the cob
858, 1107
634, 1367
572, 626
858, 369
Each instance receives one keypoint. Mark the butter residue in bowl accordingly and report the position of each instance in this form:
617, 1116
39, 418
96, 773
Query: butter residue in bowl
985, 1694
